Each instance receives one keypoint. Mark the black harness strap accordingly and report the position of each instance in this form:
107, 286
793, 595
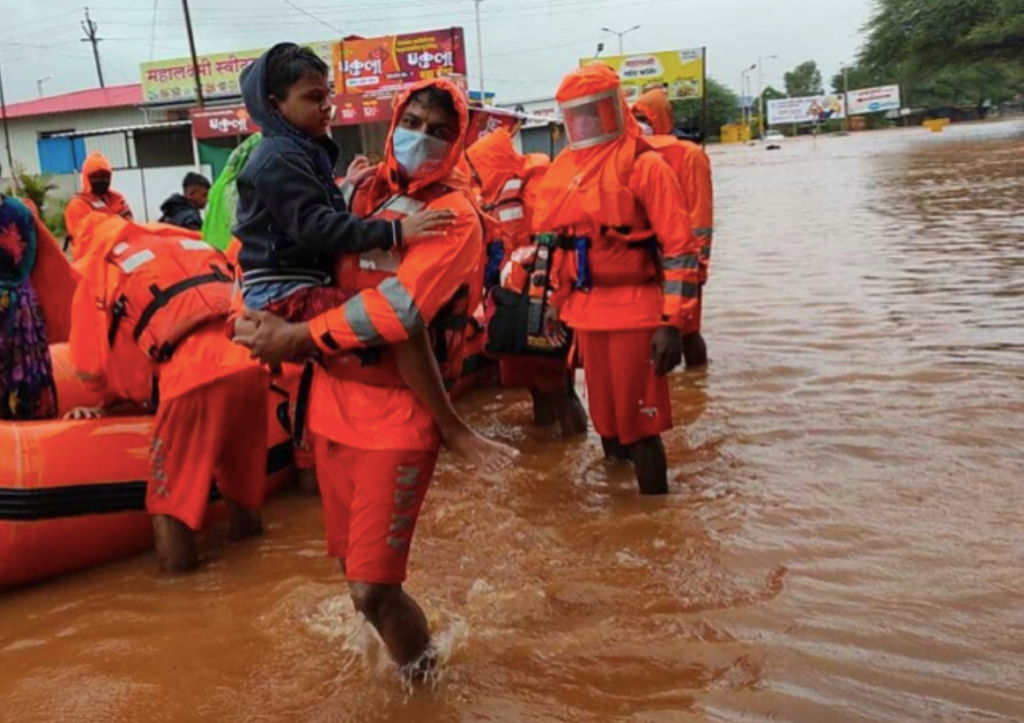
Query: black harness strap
162, 297
120, 308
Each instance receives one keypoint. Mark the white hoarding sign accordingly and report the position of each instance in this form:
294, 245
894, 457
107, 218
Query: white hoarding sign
874, 100
813, 109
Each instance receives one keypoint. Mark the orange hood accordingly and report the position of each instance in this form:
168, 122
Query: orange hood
94, 162
97, 234
590, 186
495, 161
655, 106
452, 172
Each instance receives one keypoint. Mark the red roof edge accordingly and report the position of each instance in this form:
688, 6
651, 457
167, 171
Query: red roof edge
120, 96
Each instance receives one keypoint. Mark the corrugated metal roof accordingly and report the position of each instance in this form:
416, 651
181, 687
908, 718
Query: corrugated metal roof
122, 129
94, 99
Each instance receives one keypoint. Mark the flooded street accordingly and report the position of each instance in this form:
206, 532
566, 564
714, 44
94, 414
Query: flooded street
845, 541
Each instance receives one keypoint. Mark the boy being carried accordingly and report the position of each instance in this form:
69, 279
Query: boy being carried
294, 226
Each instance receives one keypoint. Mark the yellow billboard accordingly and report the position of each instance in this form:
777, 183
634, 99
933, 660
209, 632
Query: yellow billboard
165, 81
680, 72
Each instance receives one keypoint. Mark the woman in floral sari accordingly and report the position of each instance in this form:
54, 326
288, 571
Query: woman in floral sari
27, 389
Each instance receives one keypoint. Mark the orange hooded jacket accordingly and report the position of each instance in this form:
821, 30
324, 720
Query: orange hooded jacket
498, 164
87, 202
123, 371
430, 273
691, 164
611, 193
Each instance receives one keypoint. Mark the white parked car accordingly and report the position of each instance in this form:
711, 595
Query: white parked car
774, 140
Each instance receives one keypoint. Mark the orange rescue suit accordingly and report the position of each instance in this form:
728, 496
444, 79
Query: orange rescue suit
86, 202
428, 284
692, 167
624, 203
150, 303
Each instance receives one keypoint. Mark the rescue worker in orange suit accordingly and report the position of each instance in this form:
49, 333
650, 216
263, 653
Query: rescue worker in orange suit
632, 271
152, 304
508, 191
96, 195
377, 444
653, 111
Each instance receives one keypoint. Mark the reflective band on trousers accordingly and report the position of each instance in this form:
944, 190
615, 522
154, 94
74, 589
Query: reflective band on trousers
704, 232
403, 305
360, 322
681, 263
682, 288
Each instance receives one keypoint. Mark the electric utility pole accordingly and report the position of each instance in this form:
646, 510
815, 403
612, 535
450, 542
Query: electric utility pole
90, 29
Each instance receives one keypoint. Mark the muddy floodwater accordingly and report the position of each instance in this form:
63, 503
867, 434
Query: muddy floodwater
844, 541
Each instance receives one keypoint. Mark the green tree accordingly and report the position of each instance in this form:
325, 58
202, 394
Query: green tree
723, 109
34, 188
859, 77
804, 80
942, 33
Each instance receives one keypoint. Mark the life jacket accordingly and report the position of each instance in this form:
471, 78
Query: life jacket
447, 331
510, 209
166, 288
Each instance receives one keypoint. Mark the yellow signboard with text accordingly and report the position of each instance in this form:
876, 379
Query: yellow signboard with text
680, 72
168, 81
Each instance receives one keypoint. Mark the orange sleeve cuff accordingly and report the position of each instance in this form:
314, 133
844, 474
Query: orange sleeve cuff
320, 330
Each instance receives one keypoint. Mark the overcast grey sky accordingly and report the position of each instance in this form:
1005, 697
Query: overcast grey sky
528, 44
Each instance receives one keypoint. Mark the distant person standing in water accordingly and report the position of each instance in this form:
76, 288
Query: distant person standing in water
653, 112
634, 277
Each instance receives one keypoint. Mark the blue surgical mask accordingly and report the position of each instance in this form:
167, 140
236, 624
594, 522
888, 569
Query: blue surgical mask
417, 153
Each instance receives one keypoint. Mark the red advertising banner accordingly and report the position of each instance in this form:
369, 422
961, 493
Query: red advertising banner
484, 122
388, 64
354, 109
222, 123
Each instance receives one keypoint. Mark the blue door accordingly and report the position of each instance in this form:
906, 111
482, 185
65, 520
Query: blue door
61, 155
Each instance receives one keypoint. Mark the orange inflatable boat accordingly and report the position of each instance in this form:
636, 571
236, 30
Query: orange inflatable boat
73, 494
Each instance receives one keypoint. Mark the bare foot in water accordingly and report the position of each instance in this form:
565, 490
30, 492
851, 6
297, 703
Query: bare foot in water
481, 452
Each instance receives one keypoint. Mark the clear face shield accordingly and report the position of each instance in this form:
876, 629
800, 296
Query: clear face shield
593, 119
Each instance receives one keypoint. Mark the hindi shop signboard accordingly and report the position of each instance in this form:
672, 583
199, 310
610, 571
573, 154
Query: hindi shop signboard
383, 66
812, 109
173, 81
680, 72
223, 123
873, 100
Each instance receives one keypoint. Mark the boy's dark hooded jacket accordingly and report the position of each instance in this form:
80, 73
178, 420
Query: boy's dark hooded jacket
291, 217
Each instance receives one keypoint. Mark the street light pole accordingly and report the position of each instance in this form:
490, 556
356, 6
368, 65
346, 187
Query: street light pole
760, 92
621, 35
846, 99
39, 84
480, 53
746, 93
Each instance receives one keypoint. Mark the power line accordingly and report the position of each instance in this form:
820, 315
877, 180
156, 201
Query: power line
308, 14
90, 29
152, 31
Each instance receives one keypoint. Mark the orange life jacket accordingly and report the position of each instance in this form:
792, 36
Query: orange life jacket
510, 209
448, 330
166, 288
